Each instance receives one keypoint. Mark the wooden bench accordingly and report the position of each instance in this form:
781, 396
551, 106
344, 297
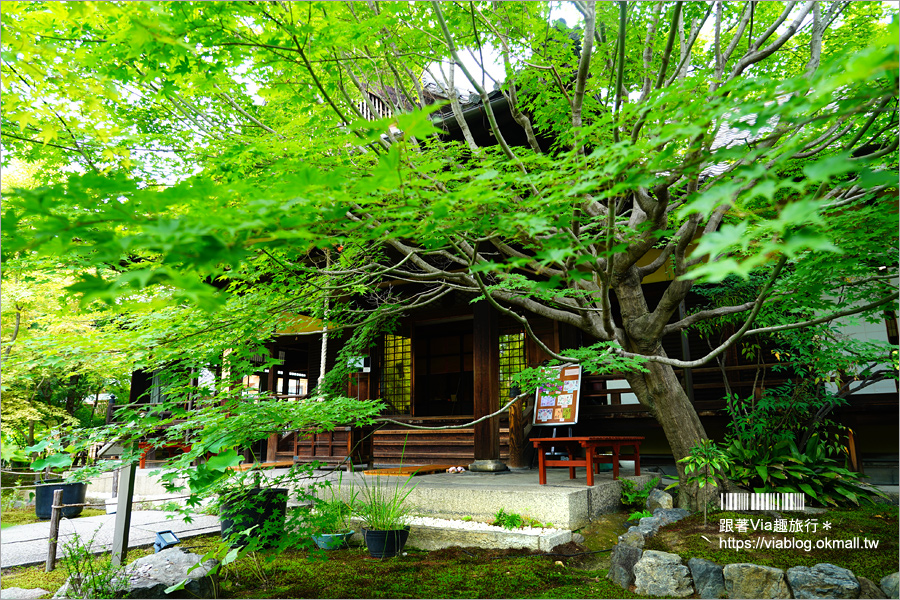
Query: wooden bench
335, 446
592, 458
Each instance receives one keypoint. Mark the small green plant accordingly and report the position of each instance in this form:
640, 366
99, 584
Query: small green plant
635, 497
508, 520
705, 461
639, 515
90, 577
10, 497
332, 513
467, 518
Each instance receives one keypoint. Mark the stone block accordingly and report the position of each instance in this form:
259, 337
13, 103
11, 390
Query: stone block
745, 580
869, 589
662, 574
889, 585
658, 499
823, 580
622, 561
709, 580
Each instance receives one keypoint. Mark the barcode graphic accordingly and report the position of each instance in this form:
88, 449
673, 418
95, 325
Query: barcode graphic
773, 501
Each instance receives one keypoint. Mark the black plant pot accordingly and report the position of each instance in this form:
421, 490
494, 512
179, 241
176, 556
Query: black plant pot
385, 544
264, 508
73, 493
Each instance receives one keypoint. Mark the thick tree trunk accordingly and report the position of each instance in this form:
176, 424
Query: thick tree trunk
659, 389
661, 392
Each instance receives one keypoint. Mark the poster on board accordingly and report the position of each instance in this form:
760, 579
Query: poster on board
558, 404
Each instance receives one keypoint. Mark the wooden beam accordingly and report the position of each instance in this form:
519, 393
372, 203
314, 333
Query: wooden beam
486, 357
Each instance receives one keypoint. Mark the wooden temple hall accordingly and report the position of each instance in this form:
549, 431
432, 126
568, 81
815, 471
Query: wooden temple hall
453, 363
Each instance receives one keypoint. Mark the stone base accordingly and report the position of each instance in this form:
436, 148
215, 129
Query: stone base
488, 466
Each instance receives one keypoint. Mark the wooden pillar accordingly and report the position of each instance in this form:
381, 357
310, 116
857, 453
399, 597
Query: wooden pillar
516, 436
486, 356
272, 442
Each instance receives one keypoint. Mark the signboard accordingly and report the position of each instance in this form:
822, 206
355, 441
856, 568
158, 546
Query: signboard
558, 405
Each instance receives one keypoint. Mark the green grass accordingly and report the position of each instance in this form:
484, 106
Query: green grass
878, 522
449, 573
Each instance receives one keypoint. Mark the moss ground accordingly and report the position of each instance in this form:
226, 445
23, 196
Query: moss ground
450, 573
689, 538
21, 516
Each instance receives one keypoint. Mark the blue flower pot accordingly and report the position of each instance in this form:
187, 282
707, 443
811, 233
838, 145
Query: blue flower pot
332, 541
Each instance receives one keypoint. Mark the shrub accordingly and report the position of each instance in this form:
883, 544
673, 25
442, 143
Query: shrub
635, 497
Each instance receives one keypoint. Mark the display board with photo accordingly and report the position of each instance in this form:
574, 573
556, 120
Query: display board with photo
557, 404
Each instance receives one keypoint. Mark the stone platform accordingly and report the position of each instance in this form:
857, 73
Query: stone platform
566, 503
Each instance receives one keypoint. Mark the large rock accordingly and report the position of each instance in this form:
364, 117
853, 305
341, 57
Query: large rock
148, 577
16, 593
889, 585
745, 580
662, 574
708, 578
824, 580
659, 499
869, 589
622, 561
670, 515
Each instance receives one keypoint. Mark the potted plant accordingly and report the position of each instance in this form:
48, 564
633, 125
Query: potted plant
385, 515
329, 520
74, 492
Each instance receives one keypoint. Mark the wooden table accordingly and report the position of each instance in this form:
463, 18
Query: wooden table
592, 458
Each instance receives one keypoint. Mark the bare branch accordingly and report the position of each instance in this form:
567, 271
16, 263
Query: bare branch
754, 56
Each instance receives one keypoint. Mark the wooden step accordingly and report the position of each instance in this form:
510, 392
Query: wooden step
381, 443
410, 471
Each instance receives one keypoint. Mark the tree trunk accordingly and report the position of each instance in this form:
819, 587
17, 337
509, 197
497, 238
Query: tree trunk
661, 392
659, 389
73, 394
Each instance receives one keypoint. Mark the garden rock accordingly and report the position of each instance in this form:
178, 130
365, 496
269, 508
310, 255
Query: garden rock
648, 526
658, 499
151, 575
632, 537
869, 589
622, 561
745, 580
824, 580
577, 538
662, 574
670, 515
17, 593
889, 585
708, 578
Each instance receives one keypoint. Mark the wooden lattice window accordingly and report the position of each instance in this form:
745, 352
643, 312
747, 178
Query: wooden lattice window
396, 374
512, 358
